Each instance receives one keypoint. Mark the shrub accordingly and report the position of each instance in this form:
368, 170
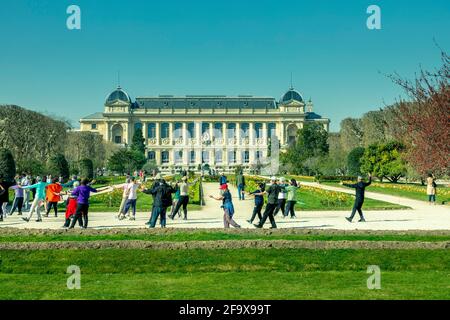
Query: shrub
86, 168
7, 164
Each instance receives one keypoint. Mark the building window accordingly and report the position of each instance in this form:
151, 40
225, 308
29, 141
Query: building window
93, 126
178, 157
271, 130
164, 130
151, 131
231, 130
205, 129
191, 129
258, 155
218, 130
137, 125
205, 157
118, 139
218, 156
151, 156
192, 157
245, 130
258, 130
165, 157
178, 130
246, 156
231, 157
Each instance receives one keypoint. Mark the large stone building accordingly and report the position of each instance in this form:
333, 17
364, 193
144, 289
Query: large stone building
222, 131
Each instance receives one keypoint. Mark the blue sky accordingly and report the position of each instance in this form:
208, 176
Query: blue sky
215, 47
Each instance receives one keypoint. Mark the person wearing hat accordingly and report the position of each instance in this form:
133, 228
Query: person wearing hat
227, 205
360, 187
272, 201
184, 197
281, 202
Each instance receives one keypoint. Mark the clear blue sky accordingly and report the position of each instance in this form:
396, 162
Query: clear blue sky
215, 47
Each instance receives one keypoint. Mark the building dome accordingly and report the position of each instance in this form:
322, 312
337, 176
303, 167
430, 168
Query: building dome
291, 95
118, 95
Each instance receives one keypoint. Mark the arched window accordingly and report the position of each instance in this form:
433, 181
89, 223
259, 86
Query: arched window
151, 130
164, 130
271, 129
178, 157
231, 130
191, 129
245, 130
137, 125
151, 156
165, 157
205, 157
178, 130
218, 130
219, 156
258, 130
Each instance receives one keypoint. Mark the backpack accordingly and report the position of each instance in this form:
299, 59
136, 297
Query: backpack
166, 196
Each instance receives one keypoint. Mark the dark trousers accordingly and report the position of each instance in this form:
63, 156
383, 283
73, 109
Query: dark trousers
290, 208
131, 203
17, 204
257, 211
81, 215
281, 206
55, 207
156, 212
268, 213
357, 207
1, 210
183, 201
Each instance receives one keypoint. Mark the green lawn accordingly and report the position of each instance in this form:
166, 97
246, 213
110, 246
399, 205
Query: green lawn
225, 274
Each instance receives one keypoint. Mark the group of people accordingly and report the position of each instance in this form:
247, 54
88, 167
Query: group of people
46, 192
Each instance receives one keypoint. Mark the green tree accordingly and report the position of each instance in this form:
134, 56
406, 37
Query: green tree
58, 166
86, 168
354, 161
312, 144
7, 164
126, 161
385, 161
138, 141
351, 134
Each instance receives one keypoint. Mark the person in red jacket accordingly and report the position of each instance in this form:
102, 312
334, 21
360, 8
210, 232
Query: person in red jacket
53, 196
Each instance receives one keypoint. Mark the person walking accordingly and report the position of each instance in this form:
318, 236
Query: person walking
281, 202
431, 189
18, 198
124, 198
39, 198
291, 198
162, 193
82, 192
227, 205
184, 197
26, 181
360, 187
4, 195
272, 202
71, 207
240, 183
131, 190
259, 202
176, 198
53, 196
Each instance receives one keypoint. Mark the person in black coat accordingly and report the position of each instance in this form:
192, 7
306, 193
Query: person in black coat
4, 194
360, 187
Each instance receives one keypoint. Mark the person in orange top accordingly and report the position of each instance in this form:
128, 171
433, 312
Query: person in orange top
53, 196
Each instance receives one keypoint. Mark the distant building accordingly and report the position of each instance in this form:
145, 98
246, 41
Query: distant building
221, 131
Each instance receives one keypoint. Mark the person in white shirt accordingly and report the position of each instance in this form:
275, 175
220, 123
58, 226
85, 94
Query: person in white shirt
124, 197
131, 189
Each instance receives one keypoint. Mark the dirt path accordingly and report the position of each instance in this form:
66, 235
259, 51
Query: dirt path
224, 244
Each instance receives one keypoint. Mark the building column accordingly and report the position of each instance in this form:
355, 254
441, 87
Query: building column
107, 132
158, 159
239, 144
171, 133
145, 132
158, 134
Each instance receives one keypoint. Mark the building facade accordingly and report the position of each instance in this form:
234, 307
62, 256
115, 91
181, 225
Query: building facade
220, 131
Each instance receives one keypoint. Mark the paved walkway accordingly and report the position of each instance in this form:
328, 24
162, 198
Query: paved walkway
421, 217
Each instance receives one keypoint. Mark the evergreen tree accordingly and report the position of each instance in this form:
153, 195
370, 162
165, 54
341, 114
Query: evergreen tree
138, 141
7, 164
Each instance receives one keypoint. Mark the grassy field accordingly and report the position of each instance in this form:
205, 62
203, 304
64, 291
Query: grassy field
225, 274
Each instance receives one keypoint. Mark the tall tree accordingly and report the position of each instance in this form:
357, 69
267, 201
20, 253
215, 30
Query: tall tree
7, 164
85, 145
138, 141
58, 166
86, 168
354, 161
351, 134
426, 119
311, 145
